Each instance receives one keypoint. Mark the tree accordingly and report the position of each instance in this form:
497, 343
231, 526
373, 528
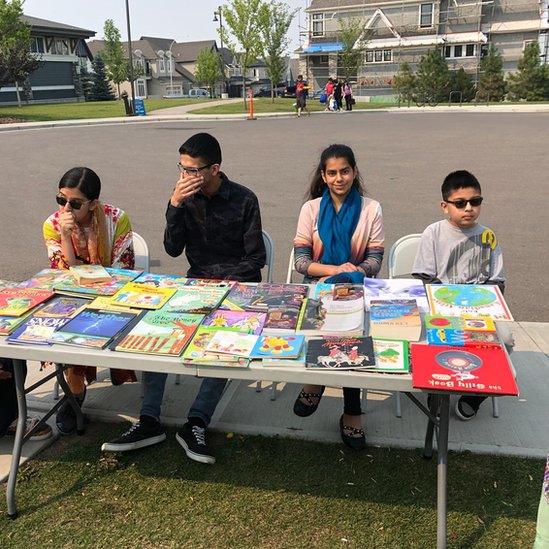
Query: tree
354, 38
116, 65
404, 83
274, 20
242, 34
460, 81
16, 59
531, 81
491, 85
86, 81
101, 89
432, 79
208, 68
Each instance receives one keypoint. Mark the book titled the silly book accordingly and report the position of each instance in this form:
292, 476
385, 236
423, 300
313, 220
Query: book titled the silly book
236, 321
17, 301
395, 319
340, 353
196, 299
460, 331
139, 296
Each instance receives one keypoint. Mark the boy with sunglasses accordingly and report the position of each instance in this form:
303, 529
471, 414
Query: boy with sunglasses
458, 250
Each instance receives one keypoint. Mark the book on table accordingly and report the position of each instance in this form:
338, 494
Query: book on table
395, 319
460, 331
395, 288
485, 370
340, 353
9, 323
278, 346
9, 284
469, 300
391, 356
120, 277
160, 333
248, 322
232, 343
298, 362
281, 320
90, 274
18, 301
264, 296
196, 299
161, 280
46, 279
212, 282
139, 296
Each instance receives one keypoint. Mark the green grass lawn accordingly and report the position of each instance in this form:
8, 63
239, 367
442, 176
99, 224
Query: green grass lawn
265, 492
91, 109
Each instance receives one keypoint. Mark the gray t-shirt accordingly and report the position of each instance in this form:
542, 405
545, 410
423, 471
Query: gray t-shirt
459, 256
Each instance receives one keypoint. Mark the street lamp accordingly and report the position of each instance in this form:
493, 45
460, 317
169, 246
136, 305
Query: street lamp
130, 53
219, 13
171, 66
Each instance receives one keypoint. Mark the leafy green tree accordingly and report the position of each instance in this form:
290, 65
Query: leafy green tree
354, 38
242, 34
432, 79
208, 68
460, 81
491, 85
101, 89
16, 59
275, 19
531, 81
404, 83
116, 65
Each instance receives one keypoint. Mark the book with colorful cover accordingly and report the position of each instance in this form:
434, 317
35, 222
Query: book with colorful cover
46, 279
95, 329
321, 289
196, 299
460, 331
298, 362
139, 296
42, 323
468, 300
160, 333
395, 288
90, 274
18, 301
391, 356
395, 319
9, 284
196, 353
236, 321
9, 323
340, 353
240, 297
121, 277
262, 297
484, 370
281, 320
232, 343
104, 302
278, 346
161, 280
212, 282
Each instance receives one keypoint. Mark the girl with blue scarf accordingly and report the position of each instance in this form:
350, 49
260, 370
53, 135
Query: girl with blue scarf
339, 239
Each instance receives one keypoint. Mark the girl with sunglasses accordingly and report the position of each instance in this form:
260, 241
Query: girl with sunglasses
85, 231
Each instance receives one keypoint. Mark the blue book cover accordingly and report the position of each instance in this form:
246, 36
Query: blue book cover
278, 346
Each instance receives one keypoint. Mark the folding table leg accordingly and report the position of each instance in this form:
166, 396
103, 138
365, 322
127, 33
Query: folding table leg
433, 407
442, 470
70, 398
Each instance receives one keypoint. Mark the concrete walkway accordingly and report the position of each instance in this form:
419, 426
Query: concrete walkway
184, 109
521, 429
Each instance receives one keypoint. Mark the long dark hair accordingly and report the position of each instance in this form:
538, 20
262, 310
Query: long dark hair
83, 179
317, 186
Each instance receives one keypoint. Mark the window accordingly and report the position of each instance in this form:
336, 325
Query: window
37, 44
448, 51
460, 50
141, 88
527, 43
59, 47
379, 56
161, 65
318, 24
387, 56
470, 50
426, 15
369, 57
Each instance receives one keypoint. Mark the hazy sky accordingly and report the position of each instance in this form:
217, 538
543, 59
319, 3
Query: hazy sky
182, 20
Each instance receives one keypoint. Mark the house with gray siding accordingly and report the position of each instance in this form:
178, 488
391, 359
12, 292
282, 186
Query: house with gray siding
62, 52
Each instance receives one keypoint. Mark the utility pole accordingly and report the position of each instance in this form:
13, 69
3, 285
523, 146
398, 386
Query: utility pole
130, 52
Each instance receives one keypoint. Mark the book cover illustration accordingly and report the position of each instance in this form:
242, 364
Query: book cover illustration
161, 280
483, 370
9, 284
17, 301
212, 282
269, 296
391, 356
196, 299
120, 277
395, 288
45, 279
460, 331
104, 302
320, 290
239, 297
299, 361
237, 321
232, 343
395, 319
9, 323
90, 274
281, 320
340, 353
274, 346
196, 353
160, 333
467, 299
142, 297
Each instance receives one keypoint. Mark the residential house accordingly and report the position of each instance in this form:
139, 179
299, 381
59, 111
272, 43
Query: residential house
397, 31
62, 52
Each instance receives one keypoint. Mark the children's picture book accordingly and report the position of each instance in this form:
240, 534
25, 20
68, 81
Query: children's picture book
298, 362
160, 333
391, 356
248, 322
240, 297
262, 297
9, 284
469, 300
395, 288
395, 319
340, 353
17, 301
120, 277
281, 320
196, 299
46, 279
161, 280
90, 274
460, 331
232, 343
140, 296
104, 302
39, 327
93, 328
210, 282
321, 289
278, 346
9, 323
196, 353
483, 370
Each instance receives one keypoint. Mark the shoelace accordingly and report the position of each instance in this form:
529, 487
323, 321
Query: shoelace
199, 434
133, 428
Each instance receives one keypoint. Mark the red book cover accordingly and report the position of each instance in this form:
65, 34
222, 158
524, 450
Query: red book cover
17, 301
483, 370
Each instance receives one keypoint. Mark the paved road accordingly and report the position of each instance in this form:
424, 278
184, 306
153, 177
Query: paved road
403, 158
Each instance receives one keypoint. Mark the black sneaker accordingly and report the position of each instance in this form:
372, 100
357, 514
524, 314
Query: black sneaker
65, 419
146, 432
193, 439
467, 407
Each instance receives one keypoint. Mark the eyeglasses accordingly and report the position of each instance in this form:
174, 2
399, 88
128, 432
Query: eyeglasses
192, 171
74, 204
461, 203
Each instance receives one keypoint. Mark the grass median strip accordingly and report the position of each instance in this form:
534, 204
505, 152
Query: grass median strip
266, 492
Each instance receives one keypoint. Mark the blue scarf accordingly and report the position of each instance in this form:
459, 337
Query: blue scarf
336, 230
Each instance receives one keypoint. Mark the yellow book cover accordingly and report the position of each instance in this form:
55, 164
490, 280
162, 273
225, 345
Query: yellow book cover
139, 296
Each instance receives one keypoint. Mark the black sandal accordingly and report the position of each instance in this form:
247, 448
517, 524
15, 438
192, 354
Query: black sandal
303, 410
351, 436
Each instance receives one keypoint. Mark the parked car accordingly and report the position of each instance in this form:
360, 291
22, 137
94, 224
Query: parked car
266, 92
198, 92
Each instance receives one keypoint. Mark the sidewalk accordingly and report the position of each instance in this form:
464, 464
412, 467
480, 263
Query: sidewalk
521, 429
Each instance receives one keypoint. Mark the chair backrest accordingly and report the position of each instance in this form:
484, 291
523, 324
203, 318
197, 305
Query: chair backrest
290, 268
402, 255
269, 249
141, 251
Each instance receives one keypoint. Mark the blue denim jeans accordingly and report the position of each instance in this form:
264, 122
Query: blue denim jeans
203, 406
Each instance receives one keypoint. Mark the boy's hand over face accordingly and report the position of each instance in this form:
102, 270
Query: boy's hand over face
185, 187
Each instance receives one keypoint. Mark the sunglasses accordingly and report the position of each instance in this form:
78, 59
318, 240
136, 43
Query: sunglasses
74, 204
461, 203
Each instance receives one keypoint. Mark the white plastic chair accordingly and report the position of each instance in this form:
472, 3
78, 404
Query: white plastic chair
291, 268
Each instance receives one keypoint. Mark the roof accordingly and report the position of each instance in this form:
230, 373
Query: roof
158, 43
186, 52
53, 26
97, 46
336, 5
184, 72
226, 55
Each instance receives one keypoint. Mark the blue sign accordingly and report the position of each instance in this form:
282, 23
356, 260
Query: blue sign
139, 107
